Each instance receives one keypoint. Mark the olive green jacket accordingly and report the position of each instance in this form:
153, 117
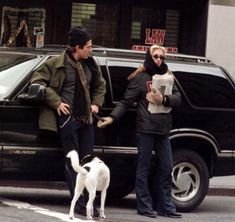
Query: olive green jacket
52, 75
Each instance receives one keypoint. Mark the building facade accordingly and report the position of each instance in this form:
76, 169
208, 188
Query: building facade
220, 40
179, 25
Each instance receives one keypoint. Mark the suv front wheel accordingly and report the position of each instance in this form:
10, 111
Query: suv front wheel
190, 179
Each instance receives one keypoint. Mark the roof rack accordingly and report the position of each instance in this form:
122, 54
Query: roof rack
128, 53
52, 48
118, 53
122, 53
187, 58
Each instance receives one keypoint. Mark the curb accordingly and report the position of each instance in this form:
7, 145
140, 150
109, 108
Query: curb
221, 191
212, 191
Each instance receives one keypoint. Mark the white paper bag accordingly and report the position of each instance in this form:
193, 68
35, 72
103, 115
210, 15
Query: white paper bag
164, 84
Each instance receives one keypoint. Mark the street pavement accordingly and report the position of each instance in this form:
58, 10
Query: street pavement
218, 186
52, 205
222, 186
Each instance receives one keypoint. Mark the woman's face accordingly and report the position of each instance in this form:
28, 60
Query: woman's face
158, 56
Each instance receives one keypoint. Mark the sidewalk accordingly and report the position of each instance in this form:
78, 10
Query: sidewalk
222, 186
218, 186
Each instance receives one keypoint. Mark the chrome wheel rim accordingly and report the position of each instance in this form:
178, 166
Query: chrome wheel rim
186, 181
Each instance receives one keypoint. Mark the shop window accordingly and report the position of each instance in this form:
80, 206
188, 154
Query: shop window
18, 26
100, 20
154, 26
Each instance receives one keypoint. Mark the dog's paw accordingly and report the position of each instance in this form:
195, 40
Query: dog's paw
71, 217
102, 215
89, 217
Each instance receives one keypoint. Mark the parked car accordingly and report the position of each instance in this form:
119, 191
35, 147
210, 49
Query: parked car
203, 134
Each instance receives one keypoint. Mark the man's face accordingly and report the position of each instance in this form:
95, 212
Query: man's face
85, 52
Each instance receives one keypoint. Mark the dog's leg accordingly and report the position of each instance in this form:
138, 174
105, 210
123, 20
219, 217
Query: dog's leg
89, 206
102, 202
77, 192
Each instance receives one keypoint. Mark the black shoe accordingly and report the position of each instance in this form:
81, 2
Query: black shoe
171, 215
152, 214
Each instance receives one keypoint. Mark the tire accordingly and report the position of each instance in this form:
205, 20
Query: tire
190, 179
113, 194
119, 189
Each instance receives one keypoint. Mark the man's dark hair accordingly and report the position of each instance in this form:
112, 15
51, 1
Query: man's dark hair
78, 36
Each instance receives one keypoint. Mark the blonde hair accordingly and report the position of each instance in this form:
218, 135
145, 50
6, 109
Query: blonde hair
155, 47
141, 68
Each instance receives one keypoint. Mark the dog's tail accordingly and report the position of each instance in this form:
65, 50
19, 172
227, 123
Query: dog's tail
73, 155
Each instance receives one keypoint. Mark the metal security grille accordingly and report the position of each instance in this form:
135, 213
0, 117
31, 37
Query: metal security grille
172, 28
100, 20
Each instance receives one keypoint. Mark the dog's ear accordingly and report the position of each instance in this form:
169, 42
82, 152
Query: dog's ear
86, 159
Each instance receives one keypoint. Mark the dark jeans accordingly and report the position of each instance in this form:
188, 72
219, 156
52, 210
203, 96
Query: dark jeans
74, 135
146, 143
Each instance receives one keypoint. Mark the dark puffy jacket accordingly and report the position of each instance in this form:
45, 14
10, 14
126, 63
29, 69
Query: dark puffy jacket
156, 123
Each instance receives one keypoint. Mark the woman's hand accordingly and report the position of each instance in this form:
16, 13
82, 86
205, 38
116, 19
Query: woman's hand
154, 97
105, 121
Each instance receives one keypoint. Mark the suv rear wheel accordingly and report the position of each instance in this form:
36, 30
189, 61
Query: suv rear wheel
190, 179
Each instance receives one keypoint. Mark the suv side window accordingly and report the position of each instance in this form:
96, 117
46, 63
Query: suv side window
207, 88
119, 70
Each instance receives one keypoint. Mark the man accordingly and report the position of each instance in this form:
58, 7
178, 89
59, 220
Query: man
75, 89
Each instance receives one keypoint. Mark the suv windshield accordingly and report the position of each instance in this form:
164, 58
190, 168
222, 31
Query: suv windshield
14, 68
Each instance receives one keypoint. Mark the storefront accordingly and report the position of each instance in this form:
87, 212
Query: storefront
179, 25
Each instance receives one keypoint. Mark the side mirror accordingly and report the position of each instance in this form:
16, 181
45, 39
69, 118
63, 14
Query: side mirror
36, 94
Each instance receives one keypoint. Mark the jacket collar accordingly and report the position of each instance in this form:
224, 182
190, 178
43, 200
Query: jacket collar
60, 60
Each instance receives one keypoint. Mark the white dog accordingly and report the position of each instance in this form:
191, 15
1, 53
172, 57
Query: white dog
95, 176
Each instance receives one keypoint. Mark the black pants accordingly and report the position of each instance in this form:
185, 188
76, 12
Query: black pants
75, 136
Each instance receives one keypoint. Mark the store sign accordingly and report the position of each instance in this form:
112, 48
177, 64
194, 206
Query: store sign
39, 32
154, 36
16, 20
39, 41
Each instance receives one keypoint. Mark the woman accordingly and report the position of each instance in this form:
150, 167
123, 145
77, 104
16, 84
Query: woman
152, 131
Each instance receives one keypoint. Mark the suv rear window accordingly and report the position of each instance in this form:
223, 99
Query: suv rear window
207, 88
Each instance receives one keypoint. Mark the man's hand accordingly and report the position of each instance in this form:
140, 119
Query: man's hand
94, 108
63, 108
105, 121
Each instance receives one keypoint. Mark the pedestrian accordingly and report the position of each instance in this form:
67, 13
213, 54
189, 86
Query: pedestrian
152, 131
75, 90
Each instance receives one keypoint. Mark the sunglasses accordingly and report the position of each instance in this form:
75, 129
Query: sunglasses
158, 57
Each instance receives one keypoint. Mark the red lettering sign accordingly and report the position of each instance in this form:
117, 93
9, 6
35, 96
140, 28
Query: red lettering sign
145, 47
154, 36
148, 37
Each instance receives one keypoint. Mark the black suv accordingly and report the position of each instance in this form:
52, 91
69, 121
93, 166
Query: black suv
203, 134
